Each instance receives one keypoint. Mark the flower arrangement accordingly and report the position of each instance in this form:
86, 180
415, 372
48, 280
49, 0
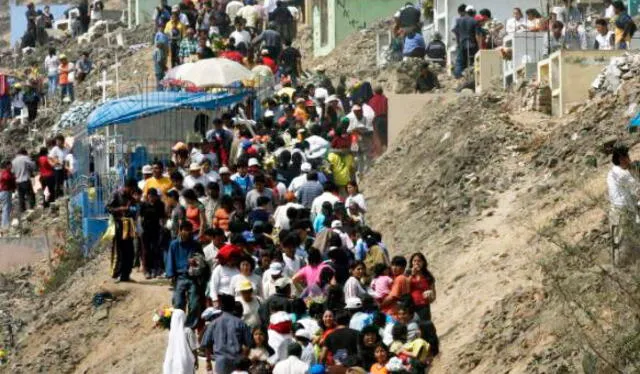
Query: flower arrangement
162, 317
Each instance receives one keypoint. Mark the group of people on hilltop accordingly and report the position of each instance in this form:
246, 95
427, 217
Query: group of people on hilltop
246, 32
566, 24
53, 165
80, 17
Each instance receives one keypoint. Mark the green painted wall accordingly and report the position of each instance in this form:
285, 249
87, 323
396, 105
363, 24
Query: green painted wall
353, 15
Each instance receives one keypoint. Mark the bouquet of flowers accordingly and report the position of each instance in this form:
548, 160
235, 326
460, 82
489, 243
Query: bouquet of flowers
162, 317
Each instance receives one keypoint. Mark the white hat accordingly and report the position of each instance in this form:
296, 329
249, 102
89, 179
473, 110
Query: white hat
336, 224
321, 68
469, 8
275, 267
305, 167
224, 170
356, 107
194, 166
175, 8
302, 333
147, 169
282, 282
353, 303
332, 98
253, 162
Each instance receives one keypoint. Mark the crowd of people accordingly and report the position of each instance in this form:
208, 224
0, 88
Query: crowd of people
566, 28
53, 166
262, 228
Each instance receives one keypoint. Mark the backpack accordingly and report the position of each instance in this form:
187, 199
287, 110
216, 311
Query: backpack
200, 268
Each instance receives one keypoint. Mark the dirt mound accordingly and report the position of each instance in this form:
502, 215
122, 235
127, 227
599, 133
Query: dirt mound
510, 209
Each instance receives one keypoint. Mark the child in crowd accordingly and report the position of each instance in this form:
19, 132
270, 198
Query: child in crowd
260, 351
381, 354
381, 283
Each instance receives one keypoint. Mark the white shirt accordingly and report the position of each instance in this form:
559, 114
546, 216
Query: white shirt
18, 100
316, 206
623, 188
232, 9
58, 154
297, 182
250, 14
280, 215
51, 63
353, 288
220, 282
210, 254
604, 41
184, 19
514, 25
190, 181
358, 199
242, 36
270, 5
70, 161
318, 147
609, 12
355, 123
292, 265
250, 314
291, 365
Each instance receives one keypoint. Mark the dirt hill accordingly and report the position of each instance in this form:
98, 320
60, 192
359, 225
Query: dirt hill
510, 211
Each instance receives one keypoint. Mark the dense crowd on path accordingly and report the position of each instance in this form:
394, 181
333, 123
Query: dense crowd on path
263, 231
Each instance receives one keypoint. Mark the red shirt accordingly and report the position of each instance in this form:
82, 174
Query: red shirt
7, 181
46, 170
379, 104
417, 287
232, 55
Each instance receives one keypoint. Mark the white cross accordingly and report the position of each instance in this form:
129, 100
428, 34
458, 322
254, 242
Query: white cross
104, 83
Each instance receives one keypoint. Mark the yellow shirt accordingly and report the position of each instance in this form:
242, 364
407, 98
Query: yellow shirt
378, 369
163, 185
418, 348
169, 26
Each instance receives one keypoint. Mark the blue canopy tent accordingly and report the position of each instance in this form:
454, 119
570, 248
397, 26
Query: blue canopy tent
131, 108
129, 132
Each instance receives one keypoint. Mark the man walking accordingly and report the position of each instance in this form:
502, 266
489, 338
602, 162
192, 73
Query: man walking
23, 168
57, 156
122, 252
180, 258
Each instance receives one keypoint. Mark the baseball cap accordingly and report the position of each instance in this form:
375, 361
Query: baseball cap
305, 167
245, 286
283, 282
147, 169
336, 224
275, 267
224, 170
353, 303
194, 166
356, 107
253, 162
469, 8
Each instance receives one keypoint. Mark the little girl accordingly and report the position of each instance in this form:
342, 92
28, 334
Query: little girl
381, 354
381, 283
260, 351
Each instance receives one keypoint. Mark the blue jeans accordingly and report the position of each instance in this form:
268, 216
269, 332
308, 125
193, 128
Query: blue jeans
7, 205
67, 89
464, 59
185, 288
53, 84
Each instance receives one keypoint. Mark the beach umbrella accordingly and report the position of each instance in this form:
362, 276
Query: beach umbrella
214, 72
